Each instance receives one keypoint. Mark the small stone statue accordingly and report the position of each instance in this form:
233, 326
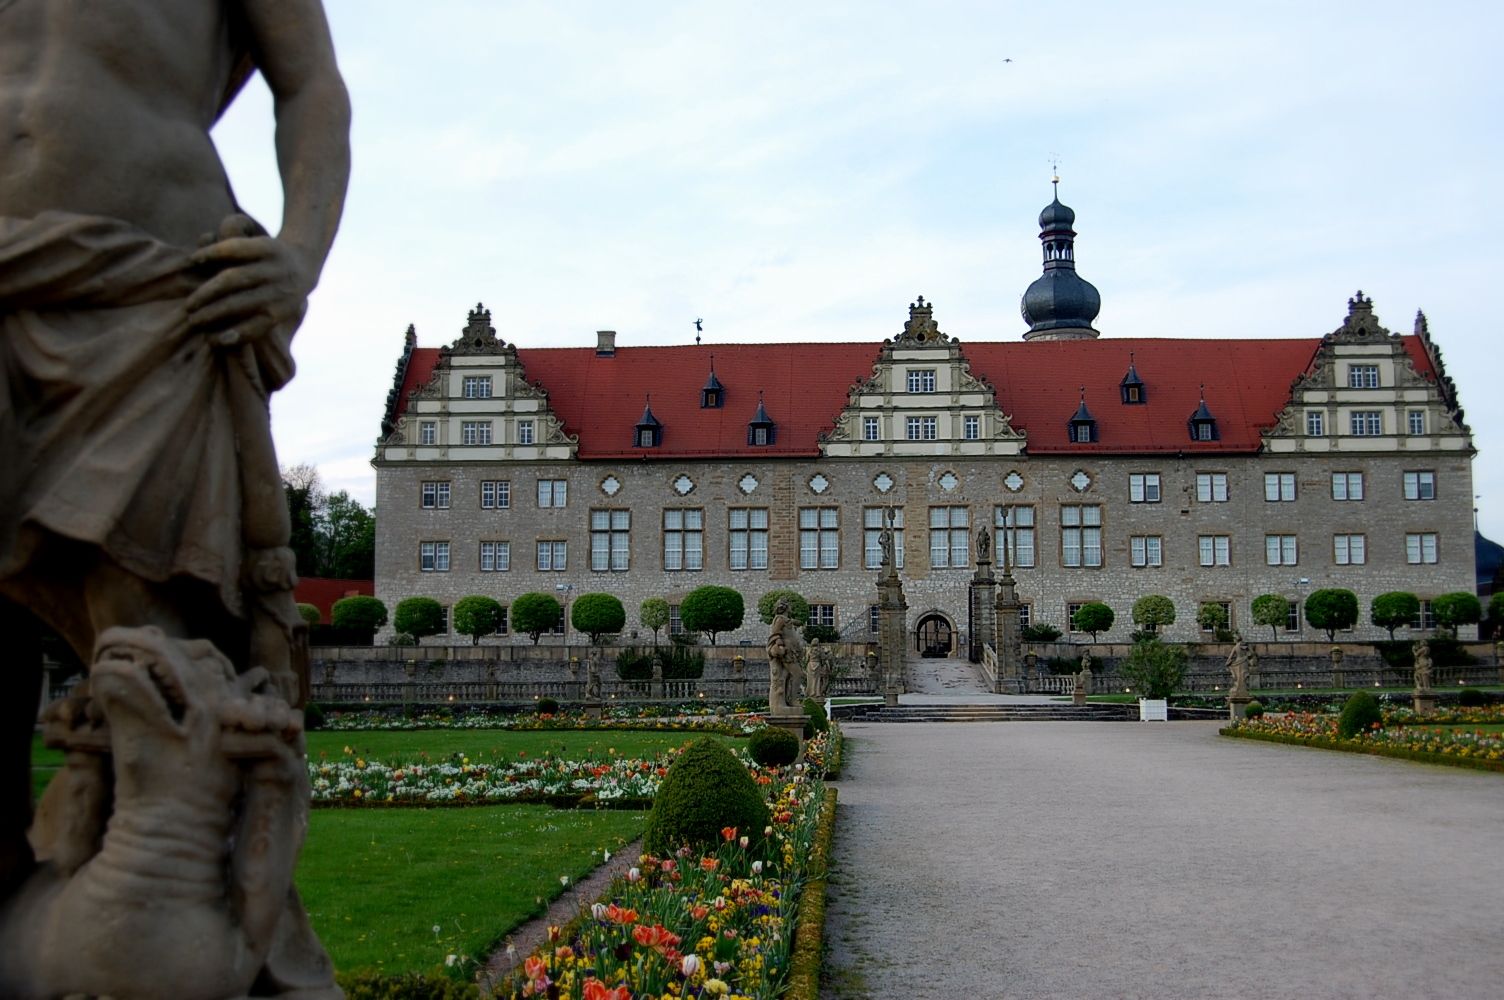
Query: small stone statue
1086, 660
592, 681
657, 668
885, 541
984, 545
817, 670
1336, 657
785, 654
1238, 665
1422, 651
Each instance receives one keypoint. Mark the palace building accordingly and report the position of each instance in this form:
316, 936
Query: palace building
1112, 468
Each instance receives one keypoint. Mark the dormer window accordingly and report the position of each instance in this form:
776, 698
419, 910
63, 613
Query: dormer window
1202, 424
649, 432
1132, 386
713, 396
1083, 426
760, 431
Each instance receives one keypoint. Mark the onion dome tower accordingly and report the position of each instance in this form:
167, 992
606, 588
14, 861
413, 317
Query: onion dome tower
1060, 304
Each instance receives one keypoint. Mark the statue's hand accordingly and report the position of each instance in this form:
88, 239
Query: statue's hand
262, 283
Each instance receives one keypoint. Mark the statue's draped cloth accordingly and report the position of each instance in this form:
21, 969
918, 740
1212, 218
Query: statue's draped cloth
115, 419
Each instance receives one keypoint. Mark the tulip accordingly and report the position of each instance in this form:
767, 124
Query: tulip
691, 965
555, 933
698, 912
767, 831
667, 866
598, 911
757, 868
710, 864
728, 833
563, 952
744, 841
720, 903
633, 875
536, 969
721, 968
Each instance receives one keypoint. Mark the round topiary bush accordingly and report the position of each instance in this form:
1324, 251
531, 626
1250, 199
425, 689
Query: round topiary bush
313, 717
815, 712
309, 613
1358, 715
1253, 710
548, 706
706, 790
774, 747
1471, 698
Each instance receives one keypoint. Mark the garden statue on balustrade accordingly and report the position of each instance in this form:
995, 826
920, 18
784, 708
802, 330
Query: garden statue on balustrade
1424, 697
785, 661
593, 705
144, 323
1081, 682
1239, 662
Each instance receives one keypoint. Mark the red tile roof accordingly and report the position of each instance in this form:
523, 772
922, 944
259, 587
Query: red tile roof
322, 592
804, 387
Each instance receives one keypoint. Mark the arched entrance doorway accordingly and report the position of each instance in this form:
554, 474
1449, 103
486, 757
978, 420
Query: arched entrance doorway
934, 635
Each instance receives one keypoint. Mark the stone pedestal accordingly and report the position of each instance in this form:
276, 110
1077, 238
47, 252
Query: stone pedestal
983, 597
594, 708
1078, 697
1424, 701
792, 723
1237, 707
410, 688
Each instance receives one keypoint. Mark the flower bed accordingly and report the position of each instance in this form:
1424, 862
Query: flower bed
1484, 751
1449, 716
713, 926
622, 718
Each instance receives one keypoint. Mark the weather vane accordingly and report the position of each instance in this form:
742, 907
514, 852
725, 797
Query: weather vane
1055, 170
699, 329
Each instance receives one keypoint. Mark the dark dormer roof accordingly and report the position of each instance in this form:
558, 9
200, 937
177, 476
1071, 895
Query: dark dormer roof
650, 424
1083, 420
760, 421
1132, 381
1083, 414
648, 420
1202, 418
713, 396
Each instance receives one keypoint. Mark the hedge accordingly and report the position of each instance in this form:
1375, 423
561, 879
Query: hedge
806, 955
1400, 753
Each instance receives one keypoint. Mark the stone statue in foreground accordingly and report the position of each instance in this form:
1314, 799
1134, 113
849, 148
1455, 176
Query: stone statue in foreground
1239, 662
144, 323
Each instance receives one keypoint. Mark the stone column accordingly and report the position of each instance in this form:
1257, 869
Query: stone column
656, 689
892, 636
491, 688
1338, 680
983, 595
329, 690
1009, 646
409, 687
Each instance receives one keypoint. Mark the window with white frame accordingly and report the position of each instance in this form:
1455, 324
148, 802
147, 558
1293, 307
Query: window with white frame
1347, 486
1143, 487
433, 557
1420, 548
819, 538
1071, 608
1226, 607
1025, 615
1315, 423
911, 428
1211, 487
1425, 618
1081, 535
477, 387
872, 535
1292, 617
1017, 524
553, 556
1279, 486
675, 623
1366, 423
922, 380
553, 492
822, 614
1416, 420
428, 432
971, 428
1362, 376
1215, 550
524, 432
475, 432
610, 540
436, 495
748, 537
950, 537
870, 429
1420, 486
684, 538
495, 494
1146, 550
1350, 550
495, 557
1280, 550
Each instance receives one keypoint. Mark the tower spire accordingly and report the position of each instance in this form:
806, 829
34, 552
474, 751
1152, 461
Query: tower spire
1060, 304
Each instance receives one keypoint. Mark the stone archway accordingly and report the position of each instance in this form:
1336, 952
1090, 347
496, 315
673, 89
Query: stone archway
934, 635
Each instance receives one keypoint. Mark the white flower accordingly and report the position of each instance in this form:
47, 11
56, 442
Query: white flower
598, 911
634, 875
757, 868
450, 959
690, 965
564, 880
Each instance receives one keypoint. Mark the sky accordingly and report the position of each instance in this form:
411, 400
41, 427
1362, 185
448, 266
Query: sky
801, 171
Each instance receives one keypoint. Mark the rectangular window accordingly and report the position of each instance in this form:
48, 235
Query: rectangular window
1425, 619
1018, 525
1216, 550
1025, 615
675, 623
1420, 548
1350, 550
1279, 486
1367, 423
1292, 617
922, 380
495, 557
1362, 376
1417, 421
928, 428
1347, 486
428, 432
819, 538
433, 557
950, 537
436, 496
822, 614
1143, 487
1081, 535
553, 556
971, 428
477, 387
1279, 550
1146, 550
911, 426
872, 530
524, 432
874, 618
1315, 423
1226, 610
495, 495
684, 539
749, 537
610, 540
1211, 487
475, 432
502, 620
443, 621
553, 492
869, 428
1070, 614
1420, 486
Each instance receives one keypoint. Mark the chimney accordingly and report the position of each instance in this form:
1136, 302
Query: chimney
605, 343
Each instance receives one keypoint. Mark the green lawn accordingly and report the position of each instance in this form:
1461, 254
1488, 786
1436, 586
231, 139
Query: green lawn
377, 883
488, 744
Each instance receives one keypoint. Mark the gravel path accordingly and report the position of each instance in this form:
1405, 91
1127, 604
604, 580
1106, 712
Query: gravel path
1109, 860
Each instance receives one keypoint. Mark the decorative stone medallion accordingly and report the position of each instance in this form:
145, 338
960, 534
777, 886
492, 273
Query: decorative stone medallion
747, 483
883, 483
683, 485
949, 482
1013, 481
610, 486
818, 483
1080, 481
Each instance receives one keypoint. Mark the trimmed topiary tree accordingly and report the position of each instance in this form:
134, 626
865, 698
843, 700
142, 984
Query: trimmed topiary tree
1456, 609
534, 614
814, 711
1359, 715
1093, 617
798, 606
419, 617
1271, 610
548, 706
773, 747
1154, 668
1154, 612
1393, 610
364, 613
713, 610
310, 613
1253, 710
477, 616
1332, 609
598, 615
1471, 698
705, 790
1212, 617
653, 614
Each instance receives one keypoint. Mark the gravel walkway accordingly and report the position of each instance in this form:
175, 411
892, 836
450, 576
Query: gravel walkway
1110, 860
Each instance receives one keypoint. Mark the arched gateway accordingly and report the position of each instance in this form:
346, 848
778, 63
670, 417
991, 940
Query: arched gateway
934, 635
